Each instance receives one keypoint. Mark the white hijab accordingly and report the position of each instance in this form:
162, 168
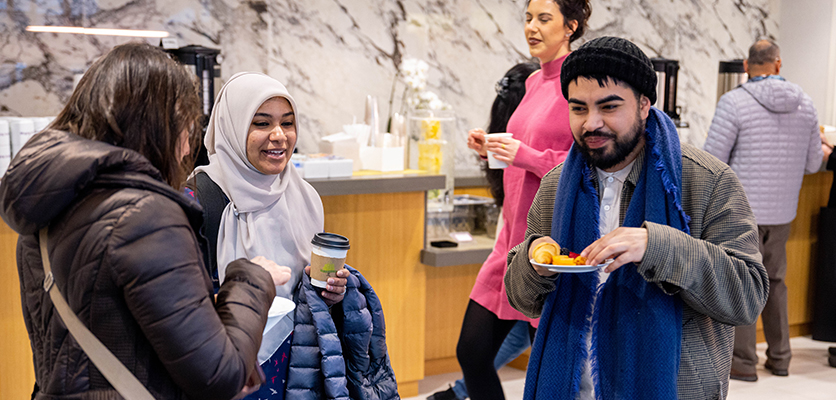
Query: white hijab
274, 216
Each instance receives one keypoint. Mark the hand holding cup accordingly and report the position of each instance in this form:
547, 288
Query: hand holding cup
327, 269
335, 287
502, 149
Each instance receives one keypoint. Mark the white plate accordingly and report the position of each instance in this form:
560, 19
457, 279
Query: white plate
280, 307
571, 269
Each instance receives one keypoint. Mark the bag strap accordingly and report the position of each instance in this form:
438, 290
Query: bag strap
213, 200
113, 370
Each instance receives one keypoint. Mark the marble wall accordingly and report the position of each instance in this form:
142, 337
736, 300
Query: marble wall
332, 53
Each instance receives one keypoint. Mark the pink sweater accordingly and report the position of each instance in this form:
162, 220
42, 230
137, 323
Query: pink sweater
541, 123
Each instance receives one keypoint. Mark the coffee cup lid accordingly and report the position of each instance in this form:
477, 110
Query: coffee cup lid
332, 240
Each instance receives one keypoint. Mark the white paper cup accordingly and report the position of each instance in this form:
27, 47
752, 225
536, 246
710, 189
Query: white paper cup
493, 163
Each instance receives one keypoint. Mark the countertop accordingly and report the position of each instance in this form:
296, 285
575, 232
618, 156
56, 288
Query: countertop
475, 252
369, 182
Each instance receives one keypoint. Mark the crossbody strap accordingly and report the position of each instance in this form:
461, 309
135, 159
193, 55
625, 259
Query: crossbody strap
113, 370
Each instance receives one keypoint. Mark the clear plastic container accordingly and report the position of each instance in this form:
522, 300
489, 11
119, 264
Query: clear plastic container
466, 213
438, 218
469, 213
431, 148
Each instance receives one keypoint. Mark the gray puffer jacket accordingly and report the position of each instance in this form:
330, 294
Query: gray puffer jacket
767, 131
124, 255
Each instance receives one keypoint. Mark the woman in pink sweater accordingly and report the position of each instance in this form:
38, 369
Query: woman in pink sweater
541, 140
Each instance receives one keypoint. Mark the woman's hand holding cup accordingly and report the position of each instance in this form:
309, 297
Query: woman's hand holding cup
280, 274
335, 288
501, 149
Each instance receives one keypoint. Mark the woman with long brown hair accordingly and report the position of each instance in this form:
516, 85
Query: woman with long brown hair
105, 179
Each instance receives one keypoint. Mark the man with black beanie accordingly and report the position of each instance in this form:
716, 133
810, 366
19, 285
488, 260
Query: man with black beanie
669, 242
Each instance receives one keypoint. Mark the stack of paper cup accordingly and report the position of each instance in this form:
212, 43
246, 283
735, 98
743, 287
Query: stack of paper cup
493, 163
5, 147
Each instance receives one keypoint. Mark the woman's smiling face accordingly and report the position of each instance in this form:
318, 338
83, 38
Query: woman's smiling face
546, 31
272, 136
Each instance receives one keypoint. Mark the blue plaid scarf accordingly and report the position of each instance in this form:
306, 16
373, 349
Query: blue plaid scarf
636, 328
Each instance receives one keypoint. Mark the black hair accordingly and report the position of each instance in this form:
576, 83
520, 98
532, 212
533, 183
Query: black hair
509, 92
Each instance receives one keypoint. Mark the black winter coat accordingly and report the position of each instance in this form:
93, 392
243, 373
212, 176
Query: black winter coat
125, 256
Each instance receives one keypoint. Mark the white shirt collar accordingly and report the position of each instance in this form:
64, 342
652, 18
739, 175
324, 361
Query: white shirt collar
621, 174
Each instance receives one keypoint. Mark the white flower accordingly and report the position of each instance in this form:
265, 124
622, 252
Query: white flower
414, 66
416, 83
413, 72
427, 96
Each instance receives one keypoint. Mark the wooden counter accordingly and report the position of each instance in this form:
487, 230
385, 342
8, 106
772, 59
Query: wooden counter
801, 253
387, 234
448, 292
17, 374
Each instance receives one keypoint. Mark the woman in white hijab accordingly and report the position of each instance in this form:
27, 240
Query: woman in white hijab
271, 211
256, 204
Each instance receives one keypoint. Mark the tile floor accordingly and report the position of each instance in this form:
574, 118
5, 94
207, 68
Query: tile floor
811, 378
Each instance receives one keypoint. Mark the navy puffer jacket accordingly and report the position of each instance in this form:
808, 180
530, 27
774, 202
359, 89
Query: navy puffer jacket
340, 354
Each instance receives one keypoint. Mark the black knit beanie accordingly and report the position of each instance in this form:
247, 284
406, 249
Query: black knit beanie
614, 57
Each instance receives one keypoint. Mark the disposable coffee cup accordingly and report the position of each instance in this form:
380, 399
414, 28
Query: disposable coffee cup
327, 257
493, 163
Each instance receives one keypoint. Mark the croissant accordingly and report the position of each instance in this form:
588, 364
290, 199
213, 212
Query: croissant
543, 253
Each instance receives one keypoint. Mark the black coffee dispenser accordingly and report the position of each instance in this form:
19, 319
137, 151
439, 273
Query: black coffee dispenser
666, 74
205, 63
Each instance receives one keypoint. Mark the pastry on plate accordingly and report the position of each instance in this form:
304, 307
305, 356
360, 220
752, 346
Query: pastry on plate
543, 253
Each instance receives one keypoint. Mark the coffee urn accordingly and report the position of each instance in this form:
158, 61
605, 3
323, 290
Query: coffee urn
205, 63
731, 75
666, 74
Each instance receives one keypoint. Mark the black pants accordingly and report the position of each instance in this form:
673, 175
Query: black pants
480, 339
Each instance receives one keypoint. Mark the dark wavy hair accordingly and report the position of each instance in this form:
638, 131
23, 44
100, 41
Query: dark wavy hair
137, 97
574, 10
510, 91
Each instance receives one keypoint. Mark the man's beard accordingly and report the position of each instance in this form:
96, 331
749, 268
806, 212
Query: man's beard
604, 159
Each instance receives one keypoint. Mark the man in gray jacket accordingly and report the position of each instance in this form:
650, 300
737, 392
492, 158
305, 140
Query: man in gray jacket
767, 131
658, 321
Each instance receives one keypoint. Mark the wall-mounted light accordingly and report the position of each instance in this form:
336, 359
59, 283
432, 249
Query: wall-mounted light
97, 31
